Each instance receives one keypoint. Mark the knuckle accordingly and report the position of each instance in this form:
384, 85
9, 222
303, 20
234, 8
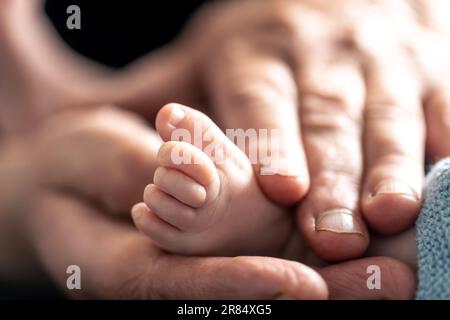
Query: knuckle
334, 172
290, 22
331, 190
394, 158
391, 110
264, 93
335, 158
329, 113
261, 81
336, 165
342, 176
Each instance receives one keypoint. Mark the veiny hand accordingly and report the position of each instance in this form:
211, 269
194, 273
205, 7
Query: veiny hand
64, 217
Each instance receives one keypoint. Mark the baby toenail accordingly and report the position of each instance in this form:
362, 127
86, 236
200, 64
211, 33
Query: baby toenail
136, 213
176, 115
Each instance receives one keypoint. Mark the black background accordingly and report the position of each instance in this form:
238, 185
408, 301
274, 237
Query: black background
285, 310
116, 32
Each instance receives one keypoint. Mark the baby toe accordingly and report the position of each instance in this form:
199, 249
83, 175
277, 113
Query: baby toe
146, 221
180, 186
191, 161
169, 209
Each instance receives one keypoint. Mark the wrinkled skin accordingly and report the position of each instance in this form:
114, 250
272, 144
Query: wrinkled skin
229, 65
55, 220
358, 90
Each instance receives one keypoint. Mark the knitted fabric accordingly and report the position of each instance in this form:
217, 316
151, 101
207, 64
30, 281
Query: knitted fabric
433, 235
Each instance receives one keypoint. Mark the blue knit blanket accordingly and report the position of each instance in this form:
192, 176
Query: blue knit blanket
433, 235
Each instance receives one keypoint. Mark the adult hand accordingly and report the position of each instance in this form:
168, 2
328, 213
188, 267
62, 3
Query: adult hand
349, 90
40, 75
84, 165
150, 83
118, 262
64, 216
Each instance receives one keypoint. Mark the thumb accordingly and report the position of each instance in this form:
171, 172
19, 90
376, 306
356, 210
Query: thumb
118, 262
349, 280
235, 278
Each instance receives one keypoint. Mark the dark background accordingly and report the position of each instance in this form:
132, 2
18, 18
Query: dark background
116, 32
113, 33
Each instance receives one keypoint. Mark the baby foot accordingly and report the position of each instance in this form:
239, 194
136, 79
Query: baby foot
204, 199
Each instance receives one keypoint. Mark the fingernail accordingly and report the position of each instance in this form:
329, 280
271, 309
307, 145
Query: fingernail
176, 115
395, 187
339, 221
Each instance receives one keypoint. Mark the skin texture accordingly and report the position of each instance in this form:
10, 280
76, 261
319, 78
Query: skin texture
234, 212
347, 101
229, 212
184, 72
116, 260
114, 257
359, 89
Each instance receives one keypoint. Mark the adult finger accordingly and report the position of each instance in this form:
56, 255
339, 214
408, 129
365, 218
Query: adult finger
437, 116
103, 153
331, 106
394, 145
375, 278
256, 92
118, 262
167, 75
33, 89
